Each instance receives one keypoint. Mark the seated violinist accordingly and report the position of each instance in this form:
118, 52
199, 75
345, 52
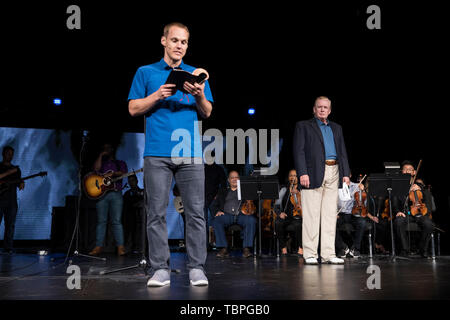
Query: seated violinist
288, 210
229, 210
416, 208
354, 212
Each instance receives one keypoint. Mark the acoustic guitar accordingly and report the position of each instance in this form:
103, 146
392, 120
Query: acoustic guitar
96, 185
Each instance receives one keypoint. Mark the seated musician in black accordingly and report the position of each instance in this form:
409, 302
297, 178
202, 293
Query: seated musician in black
289, 215
402, 209
228, 210
132, 217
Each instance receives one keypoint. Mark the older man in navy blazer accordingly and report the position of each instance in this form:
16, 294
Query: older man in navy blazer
321, 162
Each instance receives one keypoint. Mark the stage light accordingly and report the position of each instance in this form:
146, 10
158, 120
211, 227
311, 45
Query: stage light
251, 111
57, 101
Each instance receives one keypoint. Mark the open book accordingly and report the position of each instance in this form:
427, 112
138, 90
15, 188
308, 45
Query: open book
178, 77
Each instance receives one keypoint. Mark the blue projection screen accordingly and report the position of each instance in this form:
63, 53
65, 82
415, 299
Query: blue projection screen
48, 150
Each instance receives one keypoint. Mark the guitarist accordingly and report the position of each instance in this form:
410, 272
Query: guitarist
8, 199
112, 202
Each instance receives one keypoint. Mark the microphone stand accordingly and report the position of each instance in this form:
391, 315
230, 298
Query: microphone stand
76, 230
143, 261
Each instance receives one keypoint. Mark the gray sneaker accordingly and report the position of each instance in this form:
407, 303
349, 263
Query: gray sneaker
160, 278
198, 278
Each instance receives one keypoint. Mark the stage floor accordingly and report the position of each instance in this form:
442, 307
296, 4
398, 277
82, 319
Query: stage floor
30, 276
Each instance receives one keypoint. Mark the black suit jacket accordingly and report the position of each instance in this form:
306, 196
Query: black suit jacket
309, 152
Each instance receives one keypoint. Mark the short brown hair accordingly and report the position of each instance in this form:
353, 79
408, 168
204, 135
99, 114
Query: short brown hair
174, 24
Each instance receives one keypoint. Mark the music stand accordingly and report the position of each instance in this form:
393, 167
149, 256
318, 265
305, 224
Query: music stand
258, 188
382, 184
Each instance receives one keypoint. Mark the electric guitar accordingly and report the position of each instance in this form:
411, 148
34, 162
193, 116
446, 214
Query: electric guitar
97, 185
5, 184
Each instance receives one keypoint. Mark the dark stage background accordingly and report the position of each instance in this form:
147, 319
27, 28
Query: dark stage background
387, 86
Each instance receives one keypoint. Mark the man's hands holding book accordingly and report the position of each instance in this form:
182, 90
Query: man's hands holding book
167, 90
195, 89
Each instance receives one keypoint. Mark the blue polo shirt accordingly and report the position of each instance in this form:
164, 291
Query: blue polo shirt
328, 140
176, 114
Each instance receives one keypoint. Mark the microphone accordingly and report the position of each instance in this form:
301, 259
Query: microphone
85, 135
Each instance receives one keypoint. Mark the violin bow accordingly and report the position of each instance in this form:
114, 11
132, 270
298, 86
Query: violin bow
362, 179
288, 199
417, 172
413, 179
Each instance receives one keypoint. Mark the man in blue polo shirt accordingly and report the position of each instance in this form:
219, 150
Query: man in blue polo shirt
168, 113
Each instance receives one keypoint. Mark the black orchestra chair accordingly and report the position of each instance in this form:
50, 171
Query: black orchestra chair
348, 228
438, 232
236, 228
413, 227
290, 238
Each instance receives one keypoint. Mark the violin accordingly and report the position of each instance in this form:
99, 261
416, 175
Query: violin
416, 197
296, 202
385, 214
248, 208
360, 198
417, 207
268, 216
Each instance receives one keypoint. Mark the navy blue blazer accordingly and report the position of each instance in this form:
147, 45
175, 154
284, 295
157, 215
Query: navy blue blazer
309, 152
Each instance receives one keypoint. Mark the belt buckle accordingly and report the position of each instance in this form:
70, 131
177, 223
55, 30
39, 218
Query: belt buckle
330, 162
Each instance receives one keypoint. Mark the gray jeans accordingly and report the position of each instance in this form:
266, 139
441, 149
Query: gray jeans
190, 179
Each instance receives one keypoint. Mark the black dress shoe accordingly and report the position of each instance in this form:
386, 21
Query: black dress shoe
423, 254
403, 253
223, 253
246, 253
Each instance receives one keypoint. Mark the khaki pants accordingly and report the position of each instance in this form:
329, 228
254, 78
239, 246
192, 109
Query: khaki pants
319, 214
